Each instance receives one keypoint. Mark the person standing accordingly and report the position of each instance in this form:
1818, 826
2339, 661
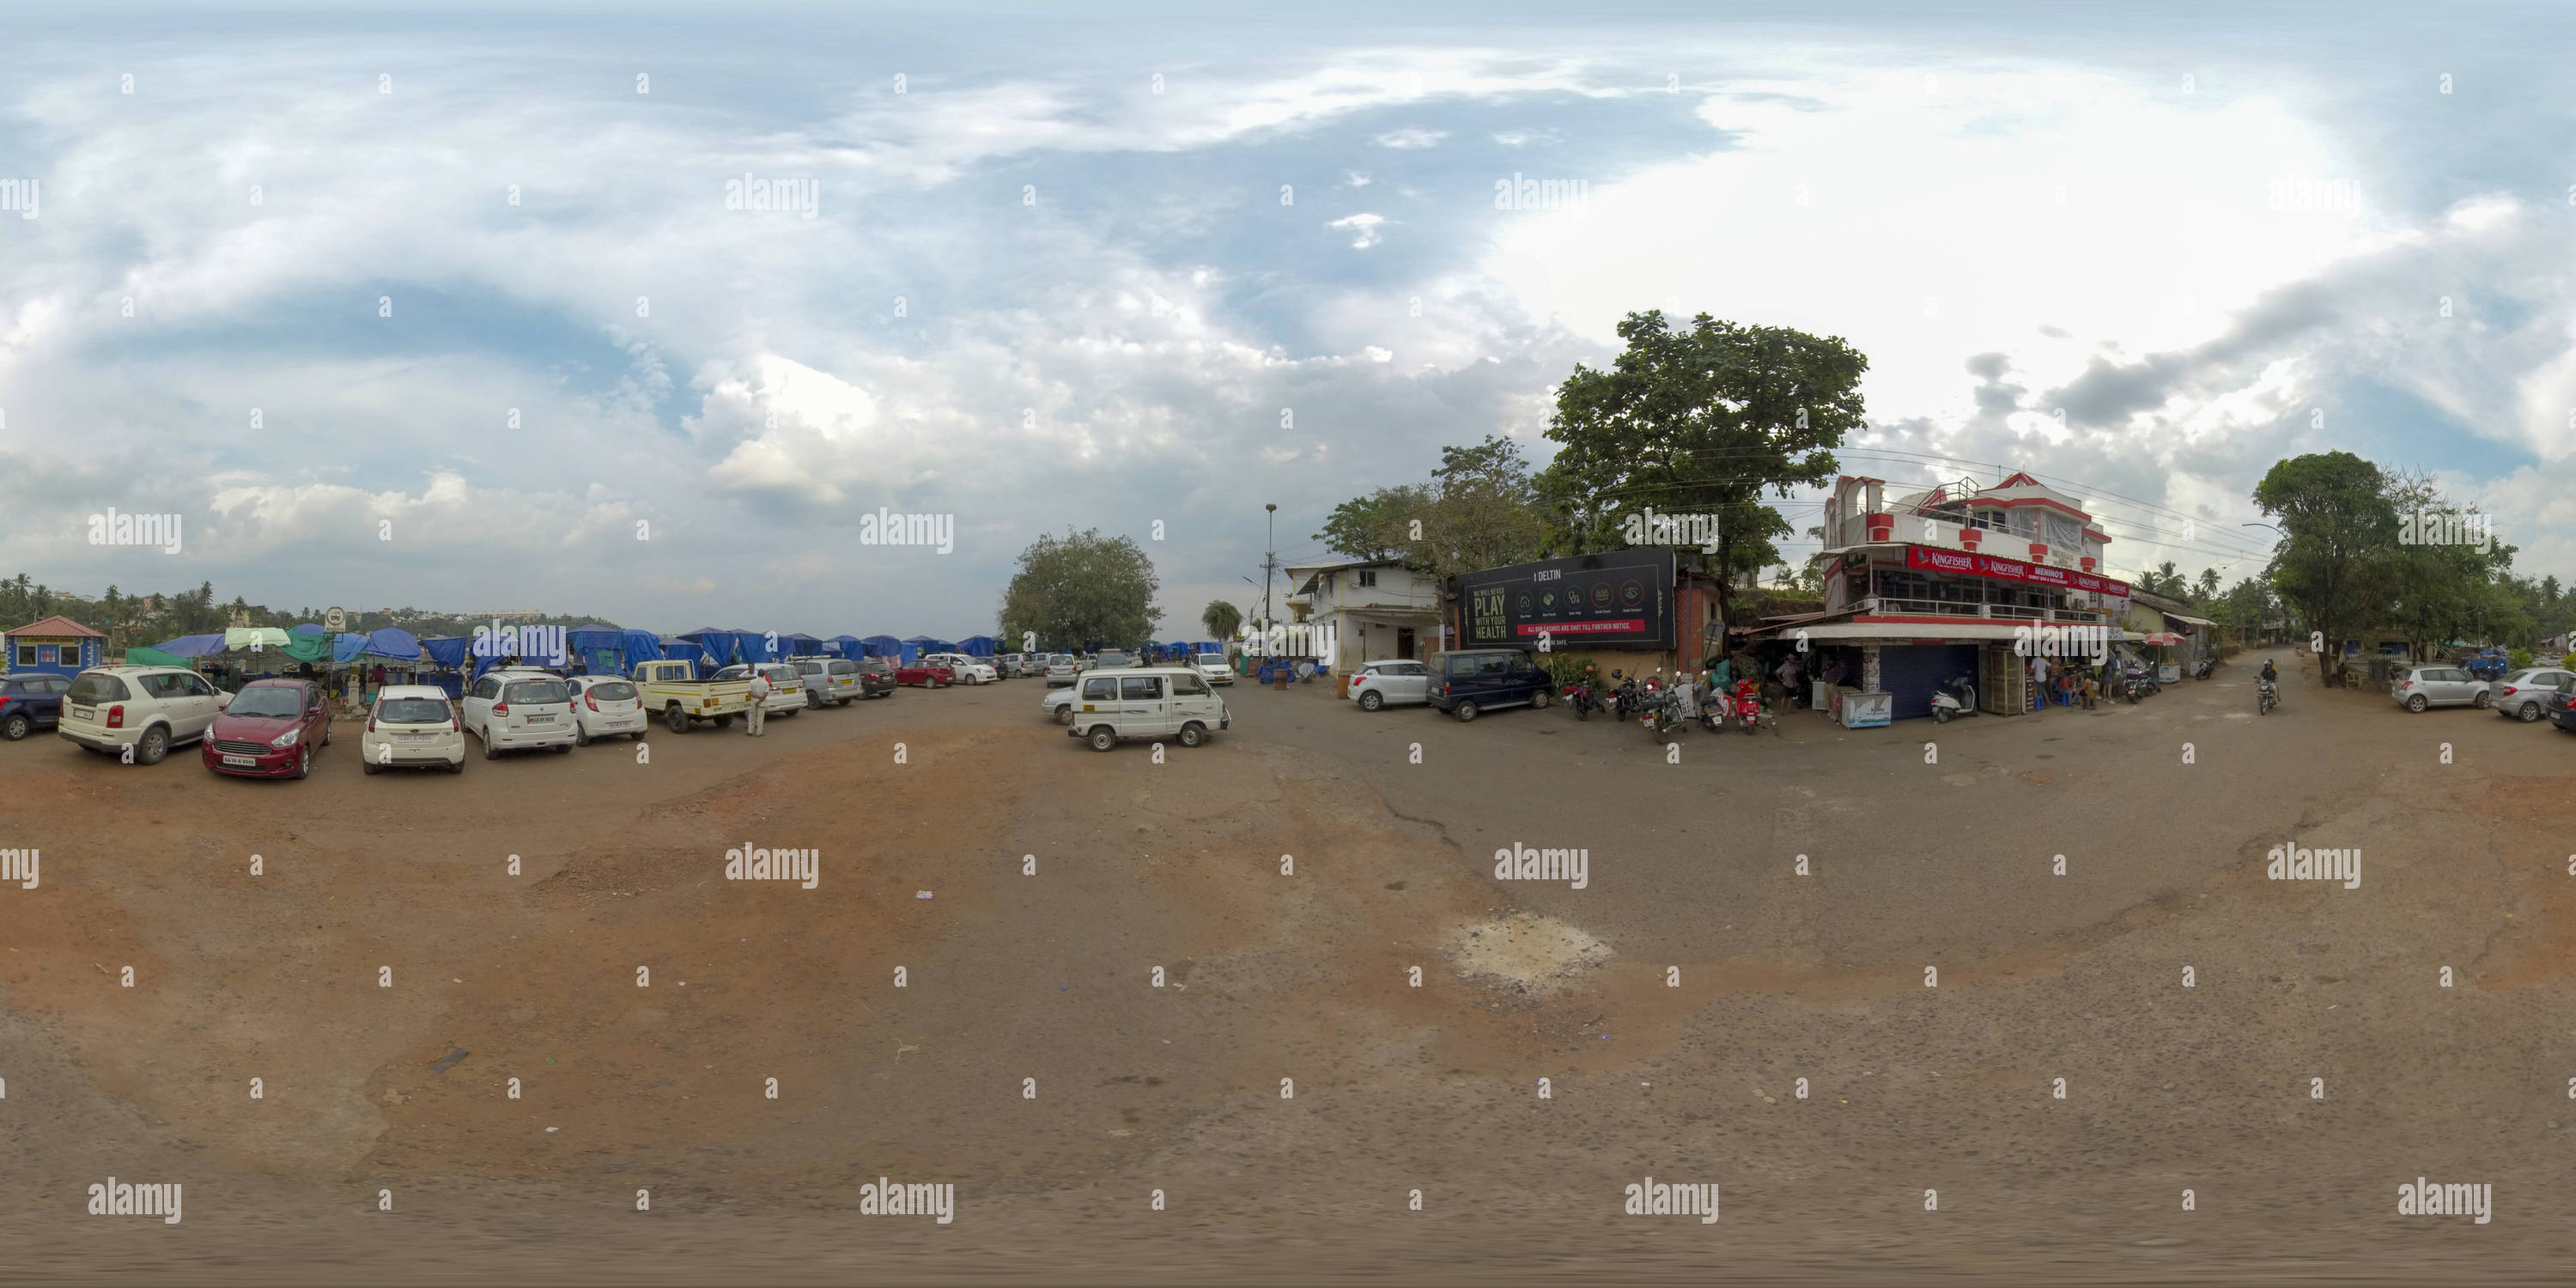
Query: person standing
759, 703
2039, 681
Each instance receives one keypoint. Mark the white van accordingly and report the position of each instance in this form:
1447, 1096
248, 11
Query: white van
786, 687
1145, 702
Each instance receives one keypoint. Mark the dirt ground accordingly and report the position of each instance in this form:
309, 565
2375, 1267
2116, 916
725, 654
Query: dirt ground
1288, 1089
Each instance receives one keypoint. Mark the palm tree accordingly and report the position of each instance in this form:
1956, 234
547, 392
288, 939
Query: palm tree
1222, 619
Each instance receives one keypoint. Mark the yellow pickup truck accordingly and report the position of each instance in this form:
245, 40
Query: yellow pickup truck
673, 693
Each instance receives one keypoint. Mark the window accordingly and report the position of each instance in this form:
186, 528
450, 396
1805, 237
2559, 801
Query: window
1521, 664
195, 686
1368, 576
612, 691
94, 688
1493, 664
539, 692
1140, 688
1102, 689
1462, 666
411, 711
1189, 686
487, 687
26, 655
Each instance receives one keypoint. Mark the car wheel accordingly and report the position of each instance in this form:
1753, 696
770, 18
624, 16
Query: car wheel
1538, 700
1193, 733
490, 752
304, 762
369, 767
638, 735
813, 700
674, 719
2530, 712
1466, 711
2416, 704
724, 722
2482, 701
1370, 700
1064, 714
1104, 738
580, 736
155, 745
563, 749
17, 727
456, 766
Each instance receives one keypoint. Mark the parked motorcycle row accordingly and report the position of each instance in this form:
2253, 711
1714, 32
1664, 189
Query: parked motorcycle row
1661, 706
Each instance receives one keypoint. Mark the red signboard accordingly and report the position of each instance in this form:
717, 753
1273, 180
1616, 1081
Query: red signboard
1627, 625
1967, 563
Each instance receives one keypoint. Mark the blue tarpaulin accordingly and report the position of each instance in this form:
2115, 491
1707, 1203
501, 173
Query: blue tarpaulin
394, 642
347, 648
845, 646
882, 646
447, 650
193, 645
799, 644
979, 646
310, 628
598, 647
729, 647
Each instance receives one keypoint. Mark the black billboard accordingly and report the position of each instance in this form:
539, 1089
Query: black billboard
1624, 597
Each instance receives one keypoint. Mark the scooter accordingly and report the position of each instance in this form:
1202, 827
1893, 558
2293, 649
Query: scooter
1748, 706
2267, 695
1713, 708
1957, 698
2133, 686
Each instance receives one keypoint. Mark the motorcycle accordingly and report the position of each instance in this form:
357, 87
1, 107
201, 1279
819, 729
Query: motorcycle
2267, 695
1713, 708
1578, 695
1661, 708
1957, 698
2206, 665
1624, 698
2133, 686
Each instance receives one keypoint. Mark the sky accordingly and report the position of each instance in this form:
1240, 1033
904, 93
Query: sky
445, 306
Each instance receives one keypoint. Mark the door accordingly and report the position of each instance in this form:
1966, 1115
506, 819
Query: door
1192, 699
1523, 678
1143, 707
478, 705
1404, 641
197, 699
317, 716
1099, 696
45, 695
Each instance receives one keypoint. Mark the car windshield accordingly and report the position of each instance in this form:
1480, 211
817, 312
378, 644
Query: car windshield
267, 703
2517, 677
613, 691
412, 711
96, 688
537, 692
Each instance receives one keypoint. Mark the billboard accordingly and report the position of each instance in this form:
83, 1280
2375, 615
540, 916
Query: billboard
1623, 597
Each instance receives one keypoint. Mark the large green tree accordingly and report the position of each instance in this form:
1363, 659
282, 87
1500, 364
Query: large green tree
2338, 528
1221, 618
1079, 588
1481, 509
1701, 420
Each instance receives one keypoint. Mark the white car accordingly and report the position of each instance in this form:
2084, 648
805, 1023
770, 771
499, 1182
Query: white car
1062, 668
604, 706
1391, 682
517, 707
148, 708
828, 681
412, 724
969, 670
1146, 702
1058, 703
786, 687
2524, 695
1212, 665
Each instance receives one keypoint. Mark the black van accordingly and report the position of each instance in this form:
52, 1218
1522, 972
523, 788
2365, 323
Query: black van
1468, 681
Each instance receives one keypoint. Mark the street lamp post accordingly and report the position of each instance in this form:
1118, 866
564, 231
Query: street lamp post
1269, 561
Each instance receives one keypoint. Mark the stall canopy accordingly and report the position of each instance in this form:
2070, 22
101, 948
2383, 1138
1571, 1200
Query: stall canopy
729, 647
306, 647
845, 646
394, 642
348, 648
978, 646
925, 644
152, 657
447, 650
881, 646
799, 644
191, 645
311, 628
598, 647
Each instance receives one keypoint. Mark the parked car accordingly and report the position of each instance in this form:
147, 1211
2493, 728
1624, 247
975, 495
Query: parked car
2418, 687
674, 694
1057, 705
786, 688
412, 724
1393, 682
31, 702
967, 670
926, 673
828, 681
876, 676
1468, 682
1212, 665
2562, 706
1026, 665
1062, 668
516, 707
1110, 659
148, 708
1154, 702
2524, 695
271, 729
604, 706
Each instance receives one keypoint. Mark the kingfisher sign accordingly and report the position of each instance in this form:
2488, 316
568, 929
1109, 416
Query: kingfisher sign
1971, 564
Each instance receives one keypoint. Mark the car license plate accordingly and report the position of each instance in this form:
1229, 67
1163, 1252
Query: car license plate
83, 713
414, 737
541, 720
246, 762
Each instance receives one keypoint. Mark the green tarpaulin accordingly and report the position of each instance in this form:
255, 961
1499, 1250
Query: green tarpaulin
152, 657
299, 647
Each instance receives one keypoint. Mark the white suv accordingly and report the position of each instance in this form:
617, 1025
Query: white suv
516, 706
786, 687
147, 708
969, 670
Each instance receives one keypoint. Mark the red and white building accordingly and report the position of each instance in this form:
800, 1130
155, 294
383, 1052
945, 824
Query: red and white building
1923, 588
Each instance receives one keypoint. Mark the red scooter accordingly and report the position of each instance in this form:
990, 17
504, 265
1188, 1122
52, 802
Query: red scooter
1748, 705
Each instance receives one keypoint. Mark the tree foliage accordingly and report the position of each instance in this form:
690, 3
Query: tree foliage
1080, 588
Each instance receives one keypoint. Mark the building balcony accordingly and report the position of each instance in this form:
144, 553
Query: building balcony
1889, 606
1943, 534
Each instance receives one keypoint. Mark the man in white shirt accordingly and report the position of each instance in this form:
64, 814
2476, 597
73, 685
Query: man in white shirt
759, 703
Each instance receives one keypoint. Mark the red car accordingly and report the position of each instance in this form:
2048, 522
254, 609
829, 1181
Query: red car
270, 730
930, 674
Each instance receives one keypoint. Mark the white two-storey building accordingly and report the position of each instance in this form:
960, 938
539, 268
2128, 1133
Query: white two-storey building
1959, 580
1377, 609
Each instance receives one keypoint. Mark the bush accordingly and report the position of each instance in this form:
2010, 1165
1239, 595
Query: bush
1561, 668
2519, 660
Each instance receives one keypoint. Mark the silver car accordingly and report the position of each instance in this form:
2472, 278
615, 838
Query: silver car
2418, 687
1062, 668
2524, 695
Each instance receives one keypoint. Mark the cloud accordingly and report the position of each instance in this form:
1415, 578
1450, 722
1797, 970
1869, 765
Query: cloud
1411, 138
1364, 229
